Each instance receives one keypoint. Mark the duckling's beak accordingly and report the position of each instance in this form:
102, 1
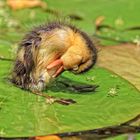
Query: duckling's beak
56, 64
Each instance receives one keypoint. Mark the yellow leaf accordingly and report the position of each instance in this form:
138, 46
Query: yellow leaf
18, 4
51, 137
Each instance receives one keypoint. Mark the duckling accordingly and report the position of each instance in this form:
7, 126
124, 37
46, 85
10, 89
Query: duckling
47, 51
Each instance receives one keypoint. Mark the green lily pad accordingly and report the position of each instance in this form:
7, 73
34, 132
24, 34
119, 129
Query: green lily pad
25, 114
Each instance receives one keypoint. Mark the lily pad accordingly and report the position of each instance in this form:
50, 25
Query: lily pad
25, 114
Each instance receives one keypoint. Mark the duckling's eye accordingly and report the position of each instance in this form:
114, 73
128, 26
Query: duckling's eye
75, 67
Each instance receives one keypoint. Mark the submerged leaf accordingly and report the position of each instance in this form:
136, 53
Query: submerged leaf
122, 59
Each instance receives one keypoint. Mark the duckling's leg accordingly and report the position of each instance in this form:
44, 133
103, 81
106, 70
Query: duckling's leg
54, 64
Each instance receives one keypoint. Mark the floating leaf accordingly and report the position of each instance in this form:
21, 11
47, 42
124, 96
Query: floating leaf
25, 114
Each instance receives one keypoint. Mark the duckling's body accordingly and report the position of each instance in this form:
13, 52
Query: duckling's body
48, 50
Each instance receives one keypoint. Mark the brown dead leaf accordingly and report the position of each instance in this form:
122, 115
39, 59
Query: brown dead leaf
20, 4
99, 20
122, 59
